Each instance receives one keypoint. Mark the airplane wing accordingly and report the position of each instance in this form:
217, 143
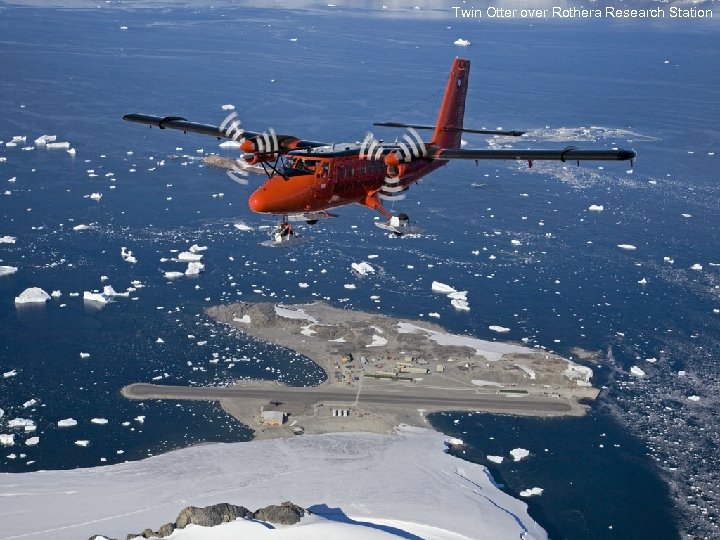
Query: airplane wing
569, 153
268, 143
180, 123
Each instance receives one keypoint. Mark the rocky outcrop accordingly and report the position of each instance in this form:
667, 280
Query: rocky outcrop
211, 515
285, 514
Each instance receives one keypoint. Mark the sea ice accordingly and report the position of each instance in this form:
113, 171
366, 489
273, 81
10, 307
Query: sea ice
29, 403
349, 285
9, 374
139, 419
82, 227
628, 247
460, 304
531, 492
301, 285
21, 423
637, 371
596, 208
7, 239
187, 256
194, 268
7, 270
696, 266
58, 145
363, 268
460, 42
82, 443
67, 422
694, 398
7, 439
127, 255
84, 355
197, 249
499, 329
42, 140
32, 441
519, 453
96, 196
442, 288
228, 107
173, 275
240, 226
99, 298
32, 295
495, 459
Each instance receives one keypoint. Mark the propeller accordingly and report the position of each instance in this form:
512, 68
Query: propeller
230, 127
406, 149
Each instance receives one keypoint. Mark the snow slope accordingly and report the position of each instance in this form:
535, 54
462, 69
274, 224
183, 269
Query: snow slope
404, 481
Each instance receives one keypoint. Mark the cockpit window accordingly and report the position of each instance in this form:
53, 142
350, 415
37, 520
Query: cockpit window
299, 166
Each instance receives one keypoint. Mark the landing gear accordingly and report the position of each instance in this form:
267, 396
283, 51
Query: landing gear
399, 225
283, 235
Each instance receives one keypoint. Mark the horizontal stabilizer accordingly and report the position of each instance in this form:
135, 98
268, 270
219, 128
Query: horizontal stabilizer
454, 129
568, 154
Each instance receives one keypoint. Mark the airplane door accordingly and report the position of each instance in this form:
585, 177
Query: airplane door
323, 182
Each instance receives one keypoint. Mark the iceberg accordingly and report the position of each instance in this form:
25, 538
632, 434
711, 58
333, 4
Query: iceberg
7, 439
638, 372
531, 492
187, 256
32, 441
96, 196
362, 268
442, 288
173, 275
498, 329
7, 270
460, 42
627, 247
127, 255
67, 422
194, 268
99, 421
98, 298
197, 249
33, 295
519, 453
495, 459
42, 140
58, 145
596, 208
696, 267
7, 239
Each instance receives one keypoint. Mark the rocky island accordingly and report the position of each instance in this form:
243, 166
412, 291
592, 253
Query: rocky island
383, 371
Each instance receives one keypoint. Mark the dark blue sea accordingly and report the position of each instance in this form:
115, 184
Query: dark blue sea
642, 464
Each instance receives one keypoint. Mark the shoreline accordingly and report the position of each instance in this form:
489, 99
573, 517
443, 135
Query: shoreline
381, 372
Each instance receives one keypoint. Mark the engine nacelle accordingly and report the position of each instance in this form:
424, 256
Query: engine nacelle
395, 169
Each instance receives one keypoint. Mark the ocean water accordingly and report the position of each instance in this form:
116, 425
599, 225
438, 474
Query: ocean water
326, 74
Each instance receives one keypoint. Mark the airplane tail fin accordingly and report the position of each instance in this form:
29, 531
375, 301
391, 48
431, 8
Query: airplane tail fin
448, 128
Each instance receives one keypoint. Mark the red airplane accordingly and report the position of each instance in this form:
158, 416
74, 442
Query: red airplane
307, 178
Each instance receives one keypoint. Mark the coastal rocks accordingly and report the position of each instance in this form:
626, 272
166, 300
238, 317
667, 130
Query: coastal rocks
211, 515
286, 513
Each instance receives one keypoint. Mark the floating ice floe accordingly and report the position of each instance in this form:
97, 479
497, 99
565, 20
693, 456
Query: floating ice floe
7, 239
7, 270
362, 268
454, 441
42, 140
515, 242
32, 295
32, 441
29, 403
495, 459
67, 422
139, 419
303, 285
127, 255
499, 329
460, 42
628, 247
194, 268
694, 398
519, 453
637, 371
596, 208
96, 196
460, 304
442, 288
96, 297
99, 421
240, 226
228, 107
82, 227
349, 285
173, 275
21, 423
7, 439
696, 266
187, 256
643, 281
8, 374
531, 492
58, 145
82, 443
111, 293
197, 249
434, 314
84, 355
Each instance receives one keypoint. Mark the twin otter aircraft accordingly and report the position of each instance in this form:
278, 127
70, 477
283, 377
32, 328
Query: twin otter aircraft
307, 178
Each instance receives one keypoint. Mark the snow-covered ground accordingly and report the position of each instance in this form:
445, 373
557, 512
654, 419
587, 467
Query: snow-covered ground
365, 485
